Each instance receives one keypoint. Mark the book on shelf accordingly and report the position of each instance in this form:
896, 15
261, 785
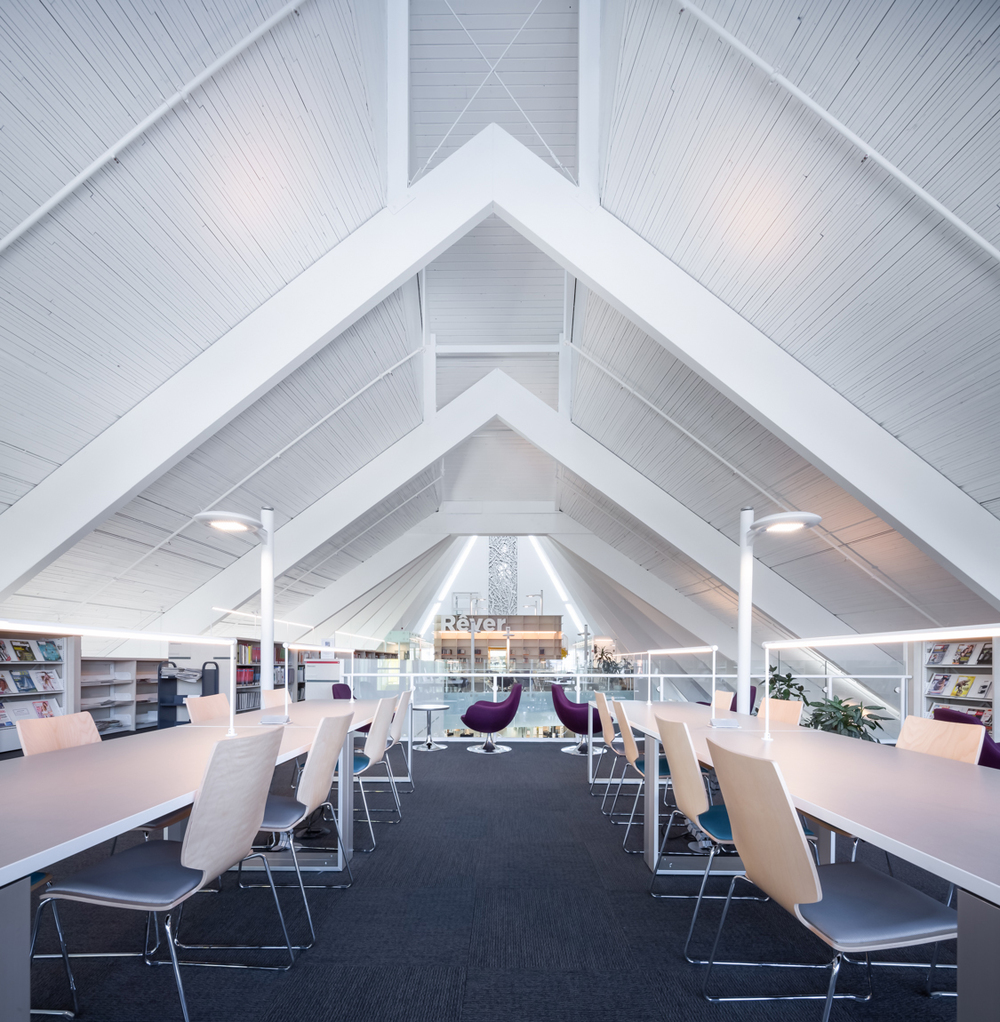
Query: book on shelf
23, 681
937, 653
963, 653
985, 654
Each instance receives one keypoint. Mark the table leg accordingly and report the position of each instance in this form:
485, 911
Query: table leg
978, 957
827, 842
345, 802
651, 823
15, 939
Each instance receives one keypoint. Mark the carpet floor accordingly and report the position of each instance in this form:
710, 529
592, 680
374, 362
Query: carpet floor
503, 895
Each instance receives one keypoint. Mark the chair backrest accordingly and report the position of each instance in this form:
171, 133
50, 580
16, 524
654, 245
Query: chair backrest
628, 739
942, 738
723, 700
766, 829
396, 727
270, 698
785, 711
341, 690
685, 771
607, 724
375, 744
202, 708
47, 734
317, 774
229, 806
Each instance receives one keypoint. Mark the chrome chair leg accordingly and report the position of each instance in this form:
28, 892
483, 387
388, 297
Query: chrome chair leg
635, 803
368, 817
168, 926
409, 774
610, 782
64, 954
833, 965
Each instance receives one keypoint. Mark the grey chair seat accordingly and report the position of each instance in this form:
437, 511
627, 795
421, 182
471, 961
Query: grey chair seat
863, 909
148, 876
282, 812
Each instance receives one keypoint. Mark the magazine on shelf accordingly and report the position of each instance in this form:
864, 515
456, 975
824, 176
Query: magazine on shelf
46, 680
937, 652
48, 650
938, 684
6, 684
963, 652
46, 708
24, 650
5, 651
23, 681
5, 720
987, 717
20, 711
985, 654
963, 684
983, 688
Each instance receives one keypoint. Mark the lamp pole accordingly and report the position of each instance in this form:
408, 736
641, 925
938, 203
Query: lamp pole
785, 521
267, 599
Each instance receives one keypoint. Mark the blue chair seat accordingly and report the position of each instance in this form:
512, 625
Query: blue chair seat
360, 762
640, 765
715, 823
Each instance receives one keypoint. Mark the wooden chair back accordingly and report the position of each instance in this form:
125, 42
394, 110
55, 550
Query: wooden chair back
766, 828
47, 734
399, 716
317, 774
607, 724
229, 806
270, 699
375, 745
628, 739
722, 701
784, 711
942, 738
685, 770
202, 708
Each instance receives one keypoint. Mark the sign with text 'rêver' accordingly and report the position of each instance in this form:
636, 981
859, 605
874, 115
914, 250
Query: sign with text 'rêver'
464, 623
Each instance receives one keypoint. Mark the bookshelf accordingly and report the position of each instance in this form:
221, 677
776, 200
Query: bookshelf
959, 675
38, 678
118, 693
247, 669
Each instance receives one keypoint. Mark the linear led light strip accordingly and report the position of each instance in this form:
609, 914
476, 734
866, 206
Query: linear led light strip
882, 638
563, 595
84, 631
448, 583
246, 613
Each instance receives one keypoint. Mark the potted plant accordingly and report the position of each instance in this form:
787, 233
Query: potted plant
784, 686
852, 719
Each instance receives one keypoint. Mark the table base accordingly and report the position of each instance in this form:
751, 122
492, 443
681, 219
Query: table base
694, 865
431, 747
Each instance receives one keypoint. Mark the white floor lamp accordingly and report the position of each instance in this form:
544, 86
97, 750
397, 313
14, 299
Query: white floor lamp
263, 529
787, 521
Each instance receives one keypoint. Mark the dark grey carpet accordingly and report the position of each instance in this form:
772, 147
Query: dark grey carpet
502, 896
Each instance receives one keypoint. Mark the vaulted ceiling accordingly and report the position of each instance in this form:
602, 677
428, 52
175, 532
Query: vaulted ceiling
401, 329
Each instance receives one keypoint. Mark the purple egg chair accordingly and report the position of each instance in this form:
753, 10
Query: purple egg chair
488, 718
573, 716
990, 755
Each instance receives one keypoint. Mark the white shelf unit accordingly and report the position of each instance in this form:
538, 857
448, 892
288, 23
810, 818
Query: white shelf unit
118, 688
943, 674
62, 675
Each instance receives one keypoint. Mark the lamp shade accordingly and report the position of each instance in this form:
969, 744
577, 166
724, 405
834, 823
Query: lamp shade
229, 521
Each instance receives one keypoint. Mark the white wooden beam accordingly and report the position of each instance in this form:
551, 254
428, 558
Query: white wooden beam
397, 102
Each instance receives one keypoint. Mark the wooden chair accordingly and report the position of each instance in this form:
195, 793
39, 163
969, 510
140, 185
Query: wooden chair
610, 740
723, 700
204, 708
270, 699
160, 876
638, 764
784, 711
48, 734
396, 732
941, 738
849, 906
375, 749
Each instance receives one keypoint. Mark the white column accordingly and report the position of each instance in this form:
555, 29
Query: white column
267, 599
745, 612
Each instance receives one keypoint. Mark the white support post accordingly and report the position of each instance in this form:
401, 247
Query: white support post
589, 103
744, 612
398, 103
267, 600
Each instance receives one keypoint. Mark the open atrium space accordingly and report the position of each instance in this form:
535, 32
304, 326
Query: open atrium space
499, 510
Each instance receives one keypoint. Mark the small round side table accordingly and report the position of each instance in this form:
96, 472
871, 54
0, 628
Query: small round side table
429, 745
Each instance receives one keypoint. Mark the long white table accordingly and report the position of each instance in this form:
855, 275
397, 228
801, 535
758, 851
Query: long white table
939, 814
60, 803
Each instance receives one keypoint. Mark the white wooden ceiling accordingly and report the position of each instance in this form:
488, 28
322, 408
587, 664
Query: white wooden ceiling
283, 154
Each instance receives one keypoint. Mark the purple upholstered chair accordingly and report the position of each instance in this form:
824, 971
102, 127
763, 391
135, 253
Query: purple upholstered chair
341, 691
990, 756
574, 717
488, 718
